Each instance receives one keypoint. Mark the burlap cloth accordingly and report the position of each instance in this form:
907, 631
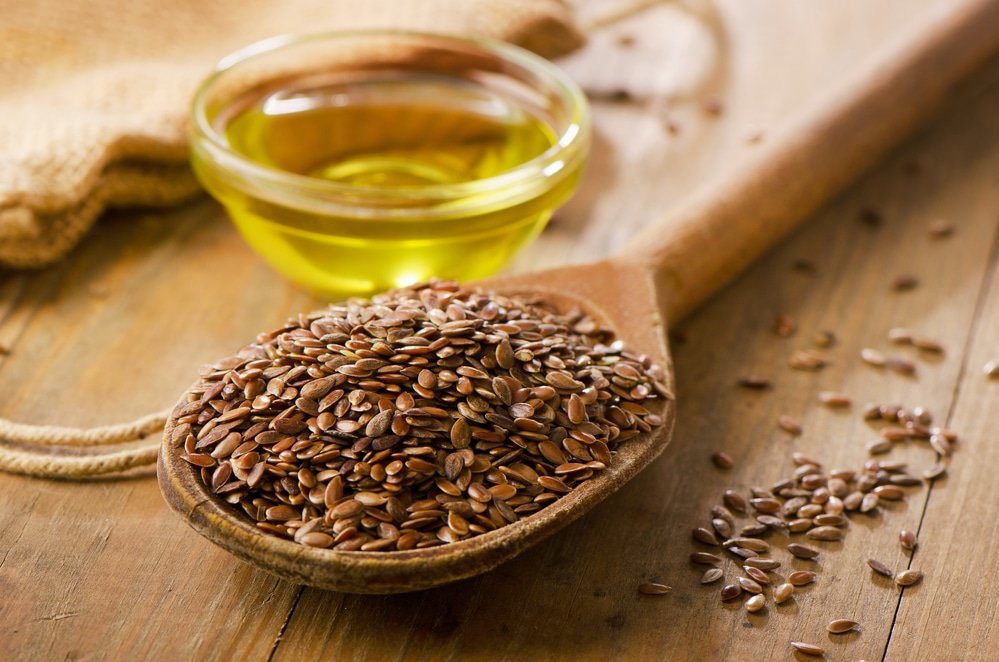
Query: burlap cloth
94, 95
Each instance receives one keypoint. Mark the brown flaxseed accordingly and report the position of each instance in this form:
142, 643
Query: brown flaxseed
756, 603
722, 460
907, 539
654, 588
880, 568
789, 425
841, 625
783, 592
378, 425
909, 577
834, 399
711, 575
807, 648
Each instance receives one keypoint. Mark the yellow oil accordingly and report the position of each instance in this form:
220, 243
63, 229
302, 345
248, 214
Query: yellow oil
393, 136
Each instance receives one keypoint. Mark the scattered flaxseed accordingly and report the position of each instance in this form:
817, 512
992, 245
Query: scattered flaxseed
935, 471
927, 344
904, 283
705, 558
807, 648
783, 592
801, 577
908, 577
784, 325
900, 336
754, 382
735, 501
880, 568
749, 585
939, 443
711, 575
756, 603
841, 625
907, 539
705, 536
730, 592
653, 588
824, 339
722, 460
757, 575
878, 446
991, 369
807, 359
872, 357
789, 425
763, 564
802, 551
834, 399
825, 533
901, 365
941, 228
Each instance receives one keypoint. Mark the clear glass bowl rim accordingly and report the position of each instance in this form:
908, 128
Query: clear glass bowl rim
569, 148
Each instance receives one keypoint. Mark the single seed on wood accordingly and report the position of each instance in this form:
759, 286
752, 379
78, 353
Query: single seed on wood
761, 563
869, 502
730, 592
748, 585
825, 533
801, 577
904, 283
775, 523
878, 446
705, 558
722, 460
742, 552
653, 588
941, 228
902, 366
935, 471
723, 528
841, 625
895, 433
880, 568
830, 519
799, 525
852, 500
904, 480
900, 336
755, 382
872, 411
872, 357
711, 575
756, 603
833, 399
784, 325
757, 575
927, 344
754, 544
807, 648
940, 444
991, 369
824, 339
767, 506
908, 577
735, 501
705, 536
789, 425
889, 492
802, 551
783, 592
907, 539
754, 530
807, 359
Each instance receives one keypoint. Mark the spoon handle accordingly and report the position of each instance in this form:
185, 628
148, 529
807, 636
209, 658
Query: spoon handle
706, 242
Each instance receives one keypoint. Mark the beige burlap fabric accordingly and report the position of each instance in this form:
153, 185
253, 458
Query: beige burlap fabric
94, 95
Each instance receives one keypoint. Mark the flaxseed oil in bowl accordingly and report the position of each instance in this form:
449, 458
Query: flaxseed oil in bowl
357, 162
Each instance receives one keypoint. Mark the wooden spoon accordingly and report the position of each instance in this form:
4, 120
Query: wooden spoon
667, 271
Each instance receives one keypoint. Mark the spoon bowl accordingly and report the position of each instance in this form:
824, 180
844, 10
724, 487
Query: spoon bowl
400, 571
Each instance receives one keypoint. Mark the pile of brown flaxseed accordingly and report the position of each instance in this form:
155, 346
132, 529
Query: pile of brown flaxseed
424, 416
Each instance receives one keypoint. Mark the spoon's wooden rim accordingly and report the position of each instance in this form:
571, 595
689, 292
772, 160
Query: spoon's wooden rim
392, 571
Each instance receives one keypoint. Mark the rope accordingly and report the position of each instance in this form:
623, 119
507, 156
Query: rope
51, 464
48, 465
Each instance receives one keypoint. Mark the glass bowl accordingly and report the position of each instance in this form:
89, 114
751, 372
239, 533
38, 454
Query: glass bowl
354, 162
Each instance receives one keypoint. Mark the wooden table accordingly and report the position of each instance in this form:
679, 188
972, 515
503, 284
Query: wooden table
104, 570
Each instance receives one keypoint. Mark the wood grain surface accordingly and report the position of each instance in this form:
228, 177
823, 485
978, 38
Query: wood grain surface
104, 570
